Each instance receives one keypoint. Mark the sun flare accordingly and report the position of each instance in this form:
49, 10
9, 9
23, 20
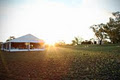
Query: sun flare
50, 42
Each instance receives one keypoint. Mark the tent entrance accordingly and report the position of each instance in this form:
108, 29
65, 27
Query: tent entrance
27, 46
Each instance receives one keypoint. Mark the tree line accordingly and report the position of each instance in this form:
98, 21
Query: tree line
109, 30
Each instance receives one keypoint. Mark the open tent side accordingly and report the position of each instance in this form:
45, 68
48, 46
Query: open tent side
24, 43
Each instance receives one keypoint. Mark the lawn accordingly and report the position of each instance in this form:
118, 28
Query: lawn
92, 62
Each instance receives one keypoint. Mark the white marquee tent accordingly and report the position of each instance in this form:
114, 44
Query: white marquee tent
24, 43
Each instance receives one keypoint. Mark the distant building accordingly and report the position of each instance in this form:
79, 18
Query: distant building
24, 43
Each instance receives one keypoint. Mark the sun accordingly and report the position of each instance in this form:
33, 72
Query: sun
50, 42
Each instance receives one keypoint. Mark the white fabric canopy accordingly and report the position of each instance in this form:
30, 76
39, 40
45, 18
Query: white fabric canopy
27, 38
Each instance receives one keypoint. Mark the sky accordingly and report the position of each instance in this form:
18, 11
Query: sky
54, 20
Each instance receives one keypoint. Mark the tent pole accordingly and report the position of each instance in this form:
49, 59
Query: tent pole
6, 46
2, 46
29, 46
9, 46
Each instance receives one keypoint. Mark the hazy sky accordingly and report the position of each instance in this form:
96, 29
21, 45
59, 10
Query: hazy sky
53, 20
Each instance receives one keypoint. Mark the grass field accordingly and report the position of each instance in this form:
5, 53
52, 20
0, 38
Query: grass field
91, 62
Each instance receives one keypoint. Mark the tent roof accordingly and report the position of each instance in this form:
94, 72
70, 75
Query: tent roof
27, 38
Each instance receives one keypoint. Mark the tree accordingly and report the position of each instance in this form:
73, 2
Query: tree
77, 40
116, 15
112, 28
60, 43
10, 38
99, 32
73, 42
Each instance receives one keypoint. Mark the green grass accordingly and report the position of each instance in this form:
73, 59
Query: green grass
63, 63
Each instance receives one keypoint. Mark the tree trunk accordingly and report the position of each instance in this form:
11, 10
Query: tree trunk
100, 42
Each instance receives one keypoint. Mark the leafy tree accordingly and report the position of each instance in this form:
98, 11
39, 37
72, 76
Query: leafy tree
73, 42
10, 38
99, 32
116, 15
77, 40
110, 30
60, 43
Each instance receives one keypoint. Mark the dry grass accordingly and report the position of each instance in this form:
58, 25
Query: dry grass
58, 63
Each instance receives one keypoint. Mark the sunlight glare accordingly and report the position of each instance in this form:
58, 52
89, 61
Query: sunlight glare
50, 42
